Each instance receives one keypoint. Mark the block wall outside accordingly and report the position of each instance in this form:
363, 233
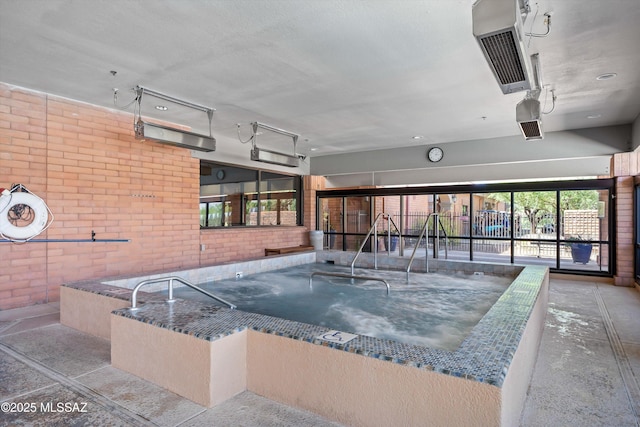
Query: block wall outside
84, 161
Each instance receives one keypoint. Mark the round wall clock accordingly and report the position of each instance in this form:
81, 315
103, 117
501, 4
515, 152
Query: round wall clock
220, 174
435, 154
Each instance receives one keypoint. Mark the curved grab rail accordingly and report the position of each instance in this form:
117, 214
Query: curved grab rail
374, 230
170, 279
415, 248
436, 224
346, 276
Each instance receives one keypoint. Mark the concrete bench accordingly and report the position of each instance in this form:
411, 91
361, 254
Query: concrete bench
289, 250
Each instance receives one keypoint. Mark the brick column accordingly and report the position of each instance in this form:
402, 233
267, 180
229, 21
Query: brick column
311, 184
624, 166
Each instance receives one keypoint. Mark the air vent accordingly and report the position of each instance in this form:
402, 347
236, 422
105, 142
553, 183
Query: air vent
502, 52
529, 119
497, 25
531, 130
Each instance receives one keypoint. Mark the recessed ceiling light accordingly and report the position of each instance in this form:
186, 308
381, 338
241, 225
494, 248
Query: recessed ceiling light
594, 116
417, 137
606, 76
161, 108
313, 149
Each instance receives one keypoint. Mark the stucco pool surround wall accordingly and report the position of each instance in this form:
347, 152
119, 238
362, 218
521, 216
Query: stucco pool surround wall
210, 353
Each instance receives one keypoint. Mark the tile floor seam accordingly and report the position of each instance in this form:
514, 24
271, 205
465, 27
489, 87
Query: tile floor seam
19, 332
79, 388
26, 393
628, 378
90, 372
53, 311
192, 417
11, 324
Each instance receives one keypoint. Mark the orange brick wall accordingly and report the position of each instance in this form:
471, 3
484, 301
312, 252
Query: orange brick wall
226, 245
94, 175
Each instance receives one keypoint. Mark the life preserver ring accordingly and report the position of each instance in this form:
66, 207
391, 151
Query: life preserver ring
29, 231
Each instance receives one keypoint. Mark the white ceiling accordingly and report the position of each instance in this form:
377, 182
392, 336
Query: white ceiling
346, 75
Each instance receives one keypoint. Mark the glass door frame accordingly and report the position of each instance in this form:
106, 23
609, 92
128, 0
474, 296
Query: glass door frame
607, 185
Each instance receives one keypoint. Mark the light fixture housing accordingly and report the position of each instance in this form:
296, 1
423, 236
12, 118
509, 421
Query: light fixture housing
497, 25
176, 137
529, 118
273, 157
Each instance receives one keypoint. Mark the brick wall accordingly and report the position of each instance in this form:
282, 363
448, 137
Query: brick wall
624, 231
225, 245
311, 185
94, 175
624, 167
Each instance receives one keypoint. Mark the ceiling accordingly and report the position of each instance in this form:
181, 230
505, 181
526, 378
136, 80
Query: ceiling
346, 75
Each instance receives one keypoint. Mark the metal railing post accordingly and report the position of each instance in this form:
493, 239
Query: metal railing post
346, 276
436, 235
170, 279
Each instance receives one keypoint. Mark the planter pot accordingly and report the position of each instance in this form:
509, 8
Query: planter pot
394, 243
316, 238
581, 252
382, 243
332, 239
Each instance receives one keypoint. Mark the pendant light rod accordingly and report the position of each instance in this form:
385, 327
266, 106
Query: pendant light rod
140, 90
257, 125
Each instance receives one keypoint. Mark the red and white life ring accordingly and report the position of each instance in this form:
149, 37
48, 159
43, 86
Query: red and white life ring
29, 231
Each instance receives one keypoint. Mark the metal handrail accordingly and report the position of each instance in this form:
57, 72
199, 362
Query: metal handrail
374, 230
346, 276
170, 279
437, 237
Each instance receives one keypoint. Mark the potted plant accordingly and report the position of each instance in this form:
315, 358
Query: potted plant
580, 249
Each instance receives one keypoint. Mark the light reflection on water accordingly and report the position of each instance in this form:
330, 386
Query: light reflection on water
433, 310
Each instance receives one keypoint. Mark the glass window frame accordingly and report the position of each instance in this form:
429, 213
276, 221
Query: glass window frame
250, 202
606, 244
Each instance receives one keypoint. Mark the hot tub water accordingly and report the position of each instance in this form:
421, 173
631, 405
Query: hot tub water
433, 310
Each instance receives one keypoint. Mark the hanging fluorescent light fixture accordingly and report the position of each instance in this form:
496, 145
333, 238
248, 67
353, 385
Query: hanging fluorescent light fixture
167, 135
175, 137
273, 157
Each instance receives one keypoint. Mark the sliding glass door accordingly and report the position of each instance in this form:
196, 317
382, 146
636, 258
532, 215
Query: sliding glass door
563, 225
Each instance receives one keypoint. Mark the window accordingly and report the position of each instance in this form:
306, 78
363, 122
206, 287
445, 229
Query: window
233, 197
564, 225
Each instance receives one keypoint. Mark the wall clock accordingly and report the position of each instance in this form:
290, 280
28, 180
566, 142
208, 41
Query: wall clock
220, 174
435, 154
